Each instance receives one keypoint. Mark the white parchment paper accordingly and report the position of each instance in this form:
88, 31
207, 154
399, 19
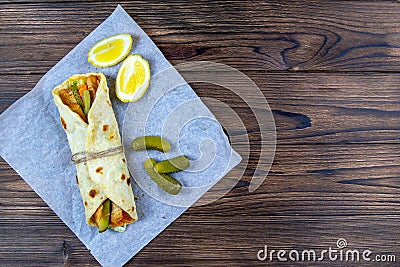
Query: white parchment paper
35, 145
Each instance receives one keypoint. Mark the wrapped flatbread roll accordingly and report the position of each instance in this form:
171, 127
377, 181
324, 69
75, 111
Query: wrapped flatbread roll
103, 178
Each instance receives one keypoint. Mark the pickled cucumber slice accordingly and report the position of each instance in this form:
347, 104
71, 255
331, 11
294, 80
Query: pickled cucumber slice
167, 183
151, 142
172, 165
105, 217
86, 102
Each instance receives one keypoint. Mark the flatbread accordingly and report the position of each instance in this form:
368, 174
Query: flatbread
104, 177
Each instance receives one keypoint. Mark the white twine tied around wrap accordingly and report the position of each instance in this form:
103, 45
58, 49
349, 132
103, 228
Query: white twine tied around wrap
85, 156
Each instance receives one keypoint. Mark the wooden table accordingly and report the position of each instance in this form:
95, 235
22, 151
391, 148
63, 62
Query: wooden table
331, 74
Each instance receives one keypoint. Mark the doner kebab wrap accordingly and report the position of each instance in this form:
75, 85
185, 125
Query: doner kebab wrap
103, 178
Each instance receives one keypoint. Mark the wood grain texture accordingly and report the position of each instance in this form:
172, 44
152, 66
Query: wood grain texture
251, 35
357, 193
330, 73
308, 108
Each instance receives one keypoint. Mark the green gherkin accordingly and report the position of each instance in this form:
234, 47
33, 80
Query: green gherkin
166, 182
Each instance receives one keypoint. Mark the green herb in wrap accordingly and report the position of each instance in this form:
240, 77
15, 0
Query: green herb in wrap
74, 89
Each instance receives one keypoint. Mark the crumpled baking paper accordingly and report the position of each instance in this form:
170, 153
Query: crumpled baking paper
35, 145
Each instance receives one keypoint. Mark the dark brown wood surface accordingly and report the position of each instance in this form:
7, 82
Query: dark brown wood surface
330, 72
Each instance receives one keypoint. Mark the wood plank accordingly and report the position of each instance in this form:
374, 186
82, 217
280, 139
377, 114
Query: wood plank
347, 180
251, 35
308, 108
226, 241
315, 108
351, 180
308, 191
